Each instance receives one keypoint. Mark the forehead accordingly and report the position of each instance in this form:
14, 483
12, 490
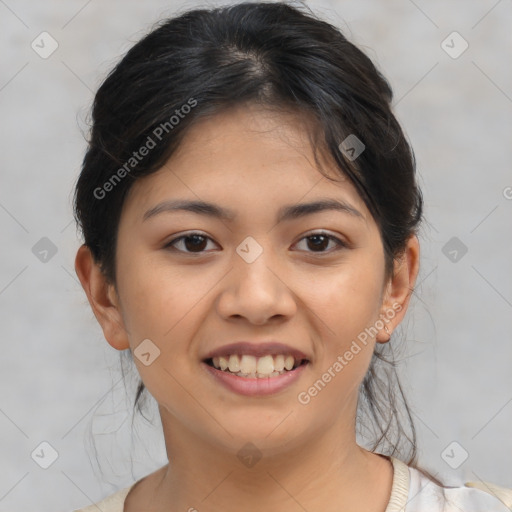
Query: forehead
246, 156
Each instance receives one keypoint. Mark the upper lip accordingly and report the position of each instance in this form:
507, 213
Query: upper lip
256, 349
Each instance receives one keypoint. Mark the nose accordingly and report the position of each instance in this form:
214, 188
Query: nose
258, 291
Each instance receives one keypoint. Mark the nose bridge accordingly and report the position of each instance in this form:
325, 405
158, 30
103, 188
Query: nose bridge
250, 250
254, 290
254, 261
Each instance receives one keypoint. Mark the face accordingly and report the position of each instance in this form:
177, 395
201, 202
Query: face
271, 283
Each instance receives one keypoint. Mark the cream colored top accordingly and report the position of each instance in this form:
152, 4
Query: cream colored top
411, 491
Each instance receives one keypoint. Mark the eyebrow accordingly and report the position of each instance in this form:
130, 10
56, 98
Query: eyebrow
285, 213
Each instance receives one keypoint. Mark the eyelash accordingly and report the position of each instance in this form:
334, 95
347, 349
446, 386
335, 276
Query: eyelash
340, 243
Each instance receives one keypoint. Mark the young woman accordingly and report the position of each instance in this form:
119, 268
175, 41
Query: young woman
249, 209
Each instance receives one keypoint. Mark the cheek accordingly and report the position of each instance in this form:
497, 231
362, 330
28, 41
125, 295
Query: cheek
158, 305
348, 299
165, 304
344, 348
156, 297
347, 304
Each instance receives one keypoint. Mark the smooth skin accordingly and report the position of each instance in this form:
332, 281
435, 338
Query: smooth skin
197, 295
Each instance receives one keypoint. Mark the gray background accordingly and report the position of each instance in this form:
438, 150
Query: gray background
59, 377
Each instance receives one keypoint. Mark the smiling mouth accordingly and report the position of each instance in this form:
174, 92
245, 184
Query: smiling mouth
251, 367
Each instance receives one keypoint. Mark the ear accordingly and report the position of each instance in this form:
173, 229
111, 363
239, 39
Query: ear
399, 288
103, 299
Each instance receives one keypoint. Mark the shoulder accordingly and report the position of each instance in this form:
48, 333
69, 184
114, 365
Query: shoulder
116, 502
472, 497
112, 503
504, 494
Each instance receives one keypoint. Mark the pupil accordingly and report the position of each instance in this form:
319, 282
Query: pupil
322, 241
194, 245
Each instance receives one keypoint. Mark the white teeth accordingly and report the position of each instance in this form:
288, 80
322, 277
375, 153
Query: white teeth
234, 364
266, 365
255, 367
288, 362
278, 363
247, 364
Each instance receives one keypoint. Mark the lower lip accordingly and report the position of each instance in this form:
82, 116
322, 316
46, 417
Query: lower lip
256, 387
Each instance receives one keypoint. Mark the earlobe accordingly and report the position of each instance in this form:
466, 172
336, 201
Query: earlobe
399, 288
102, 298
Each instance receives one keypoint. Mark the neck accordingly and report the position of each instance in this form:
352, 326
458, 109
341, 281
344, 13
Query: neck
329, 470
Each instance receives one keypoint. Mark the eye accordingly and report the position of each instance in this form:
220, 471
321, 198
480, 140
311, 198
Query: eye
319, 241
193, 242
